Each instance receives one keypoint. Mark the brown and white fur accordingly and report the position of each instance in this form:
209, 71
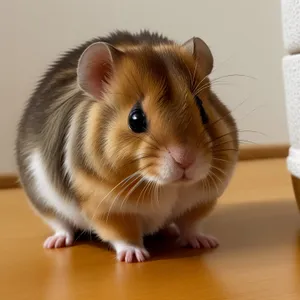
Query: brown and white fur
83, 167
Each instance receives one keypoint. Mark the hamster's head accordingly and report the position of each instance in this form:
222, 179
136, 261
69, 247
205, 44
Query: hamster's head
157, 116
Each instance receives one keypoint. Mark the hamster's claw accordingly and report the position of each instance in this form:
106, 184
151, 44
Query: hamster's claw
59, 240
199, 241
129, 253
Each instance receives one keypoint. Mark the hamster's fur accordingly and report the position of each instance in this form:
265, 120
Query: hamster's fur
123, 136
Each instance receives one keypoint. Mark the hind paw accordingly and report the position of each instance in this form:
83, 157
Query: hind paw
199, 241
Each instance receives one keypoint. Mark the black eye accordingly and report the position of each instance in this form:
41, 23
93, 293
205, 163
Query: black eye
137, 120
203, 113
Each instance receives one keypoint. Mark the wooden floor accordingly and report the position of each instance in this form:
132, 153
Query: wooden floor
257, 223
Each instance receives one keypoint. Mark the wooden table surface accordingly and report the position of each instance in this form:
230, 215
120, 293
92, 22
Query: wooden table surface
257, 223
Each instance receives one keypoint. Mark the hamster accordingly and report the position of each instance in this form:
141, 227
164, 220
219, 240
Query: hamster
124, 137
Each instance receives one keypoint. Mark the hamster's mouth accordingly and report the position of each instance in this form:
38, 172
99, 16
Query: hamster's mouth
183, 178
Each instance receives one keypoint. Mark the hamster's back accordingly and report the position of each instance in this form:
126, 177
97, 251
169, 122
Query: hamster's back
46, 119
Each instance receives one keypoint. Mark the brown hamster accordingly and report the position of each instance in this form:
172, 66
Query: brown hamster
124, 137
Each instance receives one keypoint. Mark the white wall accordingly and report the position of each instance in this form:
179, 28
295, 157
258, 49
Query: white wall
245, 37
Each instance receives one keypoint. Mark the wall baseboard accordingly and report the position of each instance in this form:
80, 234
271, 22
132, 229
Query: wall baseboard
267, 151
11, 181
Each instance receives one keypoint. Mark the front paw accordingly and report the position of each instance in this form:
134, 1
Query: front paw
59, 240
130, 253
198, 241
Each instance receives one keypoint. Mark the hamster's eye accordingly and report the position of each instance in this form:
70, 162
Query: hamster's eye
203, 113
137, 120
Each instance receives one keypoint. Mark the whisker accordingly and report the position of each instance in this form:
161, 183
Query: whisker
224, 150
214, 84
152, 186
221, 155
112, 190
205, 77
155, 192
209, 187
207, 85
222, 160
248, 142
158, 190
140, 158
154, 147
151, 194
217, 67
195, 72
131, 191
250, 112
206, 186
117, 196
234, 141
217, 177
218, 169
189, 71
141, 193
213, 180
217, 79
236, 75
125, 180
198, 87
148, 186
221, 118
211, 142
229, 133
121, 183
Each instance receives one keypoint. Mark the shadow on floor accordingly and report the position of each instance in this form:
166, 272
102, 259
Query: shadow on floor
238, 227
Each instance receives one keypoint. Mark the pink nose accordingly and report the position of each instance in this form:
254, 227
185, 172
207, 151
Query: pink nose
184, 157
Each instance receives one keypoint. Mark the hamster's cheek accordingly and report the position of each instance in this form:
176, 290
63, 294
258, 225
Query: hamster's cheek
168, 170
200, 169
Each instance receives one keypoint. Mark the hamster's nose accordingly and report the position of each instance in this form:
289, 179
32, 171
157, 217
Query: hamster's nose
182, 156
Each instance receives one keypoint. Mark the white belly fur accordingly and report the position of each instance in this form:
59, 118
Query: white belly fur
67, 208
173, 203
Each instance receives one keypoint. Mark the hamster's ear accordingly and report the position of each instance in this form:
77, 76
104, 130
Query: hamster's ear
201, 52
96, 66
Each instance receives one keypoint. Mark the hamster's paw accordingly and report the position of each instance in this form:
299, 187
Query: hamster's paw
199, 241
59, 240
130, 253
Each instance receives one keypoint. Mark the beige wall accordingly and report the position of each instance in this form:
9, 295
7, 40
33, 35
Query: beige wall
245, 37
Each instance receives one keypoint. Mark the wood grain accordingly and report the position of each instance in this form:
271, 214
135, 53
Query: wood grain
256, 221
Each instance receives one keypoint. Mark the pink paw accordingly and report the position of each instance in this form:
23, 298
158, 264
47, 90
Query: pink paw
199, 241
58, 240
129, 253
